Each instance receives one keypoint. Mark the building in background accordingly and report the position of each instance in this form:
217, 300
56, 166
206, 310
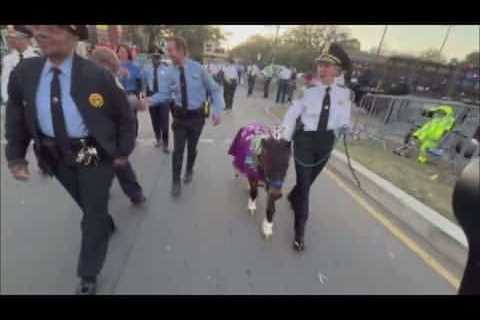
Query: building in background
214, 52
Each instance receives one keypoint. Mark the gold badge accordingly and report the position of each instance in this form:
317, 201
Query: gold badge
96, 100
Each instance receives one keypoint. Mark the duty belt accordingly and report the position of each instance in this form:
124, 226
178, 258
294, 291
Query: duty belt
180, 112
84, 151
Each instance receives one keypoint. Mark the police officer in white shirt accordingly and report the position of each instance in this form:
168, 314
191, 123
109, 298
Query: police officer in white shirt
18, 39
252, 72
283, 79
230, 84
314, 122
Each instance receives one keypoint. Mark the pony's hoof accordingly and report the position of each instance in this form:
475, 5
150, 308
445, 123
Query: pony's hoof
267, 229
251, 211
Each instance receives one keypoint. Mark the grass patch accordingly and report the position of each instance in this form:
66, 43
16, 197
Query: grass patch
427, 183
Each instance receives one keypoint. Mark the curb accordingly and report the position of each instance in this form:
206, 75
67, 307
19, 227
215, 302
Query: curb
442, 234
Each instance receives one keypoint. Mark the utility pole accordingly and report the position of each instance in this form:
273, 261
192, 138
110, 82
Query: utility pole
275, 44
379, 49
379, 84
445, 39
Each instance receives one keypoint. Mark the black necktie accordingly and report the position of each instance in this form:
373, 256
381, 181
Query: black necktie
323, 122
20, 54
155, 79
183, 88
58, 120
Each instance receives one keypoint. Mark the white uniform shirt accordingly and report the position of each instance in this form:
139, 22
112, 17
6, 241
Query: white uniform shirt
253, 70
285, 74
9, 62
309, 107
230, 72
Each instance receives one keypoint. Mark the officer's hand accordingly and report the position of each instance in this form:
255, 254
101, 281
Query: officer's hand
215, 119
120, 162
143, 103
20, 172
148, 101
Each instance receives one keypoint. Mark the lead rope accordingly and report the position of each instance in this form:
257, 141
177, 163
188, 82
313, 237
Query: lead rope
347, 153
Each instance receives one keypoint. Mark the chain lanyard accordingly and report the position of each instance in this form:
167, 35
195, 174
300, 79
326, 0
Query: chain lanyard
317, 163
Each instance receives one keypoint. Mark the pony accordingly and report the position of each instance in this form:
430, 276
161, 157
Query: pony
262, 156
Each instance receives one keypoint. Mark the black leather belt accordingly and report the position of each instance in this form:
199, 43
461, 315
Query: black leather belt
182, 113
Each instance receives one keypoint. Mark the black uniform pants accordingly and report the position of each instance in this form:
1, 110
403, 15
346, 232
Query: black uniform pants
251, 85
282, 90
470, 223
89, 187
229, 88
128, 181
309, 148
266, 87
471, 276
160, 116
185, 131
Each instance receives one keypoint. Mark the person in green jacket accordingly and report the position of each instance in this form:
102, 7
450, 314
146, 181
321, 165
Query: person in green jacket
430, 134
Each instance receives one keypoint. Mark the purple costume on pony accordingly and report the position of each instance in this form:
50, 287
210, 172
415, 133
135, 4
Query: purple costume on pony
246, 147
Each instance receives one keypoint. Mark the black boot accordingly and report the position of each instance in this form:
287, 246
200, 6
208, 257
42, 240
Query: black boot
138, 200
298, 245
176, 189
188, 177
87, 286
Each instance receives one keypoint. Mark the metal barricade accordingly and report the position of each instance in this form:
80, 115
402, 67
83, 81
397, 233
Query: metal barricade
388, 119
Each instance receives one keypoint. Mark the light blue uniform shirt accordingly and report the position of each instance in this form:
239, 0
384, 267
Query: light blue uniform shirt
129, 82
147, 78
199, 82
73, 119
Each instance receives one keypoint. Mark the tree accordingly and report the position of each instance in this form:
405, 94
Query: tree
298, 46
314, 37
249, 50
433, 55
473, 58
148, 36
196, 36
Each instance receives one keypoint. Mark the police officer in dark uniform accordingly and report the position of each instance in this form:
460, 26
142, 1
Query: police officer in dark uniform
187, 88
313, 122
153, 75
466, 201
82, 126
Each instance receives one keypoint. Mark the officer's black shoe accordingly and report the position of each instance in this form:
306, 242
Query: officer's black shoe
298, 245
87, 287
176, 189
188, 177
139, 200
158, 144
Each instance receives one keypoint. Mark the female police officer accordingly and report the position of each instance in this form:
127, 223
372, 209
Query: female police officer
313, 122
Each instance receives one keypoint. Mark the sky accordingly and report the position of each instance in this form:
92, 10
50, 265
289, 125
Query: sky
412, 39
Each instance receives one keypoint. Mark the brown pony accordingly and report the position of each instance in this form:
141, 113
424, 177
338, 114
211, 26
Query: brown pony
272, 165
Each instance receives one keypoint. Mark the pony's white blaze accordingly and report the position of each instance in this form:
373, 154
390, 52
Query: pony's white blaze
252, 206
267, 228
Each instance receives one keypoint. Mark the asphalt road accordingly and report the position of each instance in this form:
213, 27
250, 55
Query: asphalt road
205, 242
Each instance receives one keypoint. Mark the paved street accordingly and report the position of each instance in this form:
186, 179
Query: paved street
205, 242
